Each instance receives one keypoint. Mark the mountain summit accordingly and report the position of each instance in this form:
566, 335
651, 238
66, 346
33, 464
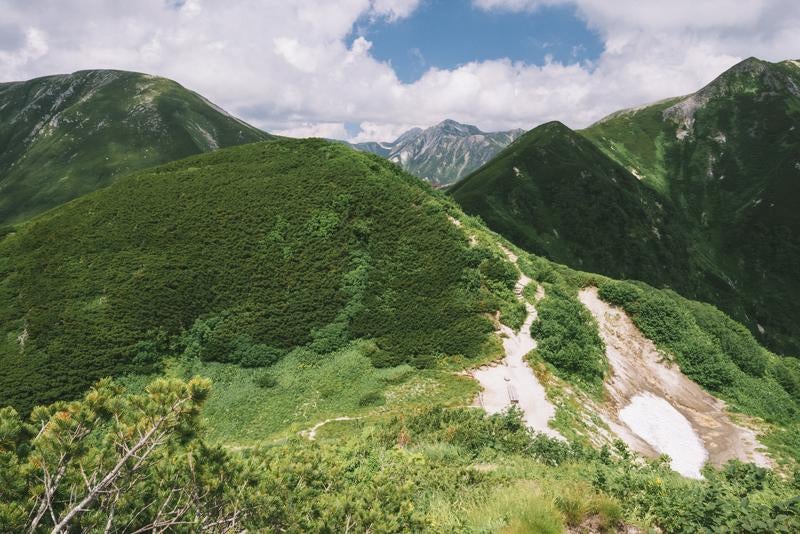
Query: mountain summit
444, 153
66, 135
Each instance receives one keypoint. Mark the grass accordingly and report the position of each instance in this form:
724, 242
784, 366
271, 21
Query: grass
516, 509
309, 390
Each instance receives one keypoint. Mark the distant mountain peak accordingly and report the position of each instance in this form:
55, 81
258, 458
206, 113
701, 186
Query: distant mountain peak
452, 127
442, 153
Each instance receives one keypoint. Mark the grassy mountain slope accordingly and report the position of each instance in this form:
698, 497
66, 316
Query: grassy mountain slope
66, 135
727, 158
274, 245
312, 283
555, 194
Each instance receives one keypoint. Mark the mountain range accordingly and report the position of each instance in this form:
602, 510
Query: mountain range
290, 335
444, 153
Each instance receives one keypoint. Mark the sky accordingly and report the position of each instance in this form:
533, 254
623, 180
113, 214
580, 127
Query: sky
371, 69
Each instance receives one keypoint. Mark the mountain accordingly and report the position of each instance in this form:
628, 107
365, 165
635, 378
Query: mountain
66, 135
444, 153
716, 182
351, 319
280, 245
555, 194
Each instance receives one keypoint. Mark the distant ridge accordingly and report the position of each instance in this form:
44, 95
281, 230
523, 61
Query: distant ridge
65, 135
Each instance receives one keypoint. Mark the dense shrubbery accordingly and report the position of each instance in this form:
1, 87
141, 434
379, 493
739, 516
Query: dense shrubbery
253, 251
434, 470
738, 498
567, 336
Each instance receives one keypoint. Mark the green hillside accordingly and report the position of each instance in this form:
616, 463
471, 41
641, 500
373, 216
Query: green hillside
335, 302
555, 194
694, 193
250, 252
66, 135
727, 158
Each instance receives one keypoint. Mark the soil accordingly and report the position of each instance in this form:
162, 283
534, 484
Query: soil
639, 374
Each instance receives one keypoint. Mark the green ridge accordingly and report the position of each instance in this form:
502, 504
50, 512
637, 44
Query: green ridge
274, 246
66, 135
694, 193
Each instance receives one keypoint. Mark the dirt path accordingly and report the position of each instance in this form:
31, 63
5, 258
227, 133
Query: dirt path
656, 409
512, 378
311, 433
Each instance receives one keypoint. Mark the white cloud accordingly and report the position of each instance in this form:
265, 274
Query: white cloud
285, 65
328, 130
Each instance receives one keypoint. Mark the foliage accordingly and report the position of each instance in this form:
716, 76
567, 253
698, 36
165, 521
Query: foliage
419, 472
738, 498
567, 336
239, 256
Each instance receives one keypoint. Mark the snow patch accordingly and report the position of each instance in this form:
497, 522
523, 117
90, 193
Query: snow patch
663, 427
639, 370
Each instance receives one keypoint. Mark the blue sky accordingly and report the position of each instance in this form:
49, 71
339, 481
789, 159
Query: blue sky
448, 33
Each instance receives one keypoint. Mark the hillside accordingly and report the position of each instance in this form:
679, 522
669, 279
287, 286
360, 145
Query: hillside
444, 153
555, 194
66, 135
727, 157
694, 193
349, 318
273, 246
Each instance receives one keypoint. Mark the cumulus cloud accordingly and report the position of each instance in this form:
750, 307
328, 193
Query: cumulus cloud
286, 66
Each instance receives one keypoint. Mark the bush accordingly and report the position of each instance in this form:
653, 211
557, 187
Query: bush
265, 380
567, 336
787, 373
371, 398
499, 271
620, 294
259, 355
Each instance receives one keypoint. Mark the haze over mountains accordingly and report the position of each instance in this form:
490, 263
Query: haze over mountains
66, 135
444, 153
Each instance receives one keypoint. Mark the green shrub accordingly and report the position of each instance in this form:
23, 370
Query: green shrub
281, 244
573, 502
620, 294
499, 271
371, 398
567, 336
256, 355
265, 379
787, 373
